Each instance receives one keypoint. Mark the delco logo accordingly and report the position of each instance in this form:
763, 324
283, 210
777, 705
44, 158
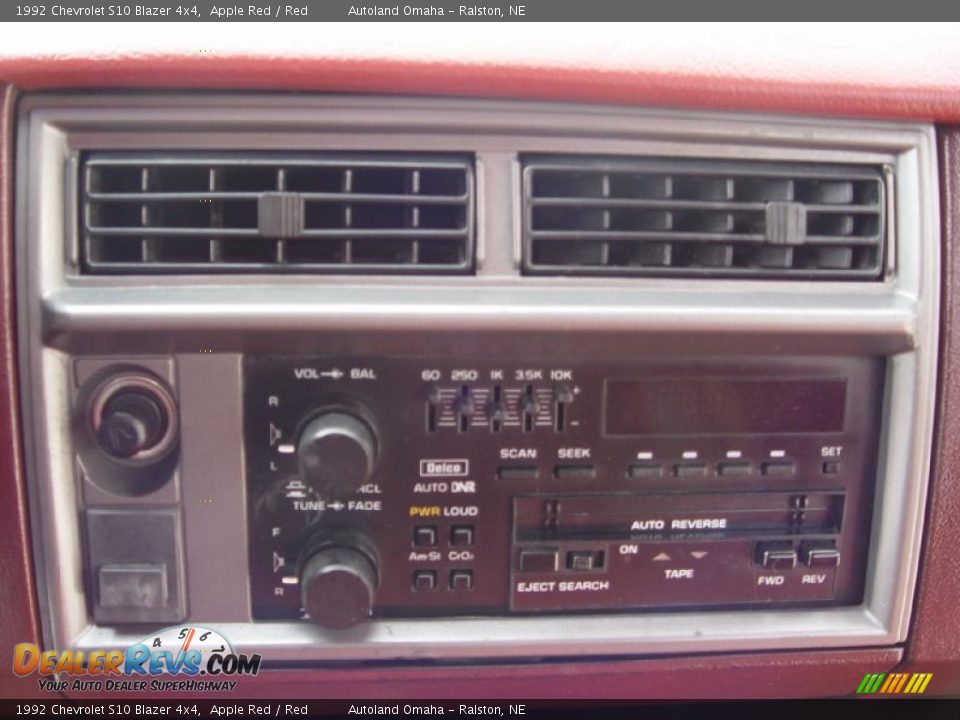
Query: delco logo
445, 468
188, 651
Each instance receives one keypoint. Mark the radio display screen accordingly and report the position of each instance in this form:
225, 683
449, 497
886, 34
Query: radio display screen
724, 406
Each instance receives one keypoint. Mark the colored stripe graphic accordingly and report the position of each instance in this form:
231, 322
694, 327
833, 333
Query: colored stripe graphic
892, 680
871, 683
894, 683
903, 681
918, 683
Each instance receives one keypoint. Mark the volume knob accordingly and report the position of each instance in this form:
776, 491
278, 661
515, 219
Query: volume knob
336, 453
337, 586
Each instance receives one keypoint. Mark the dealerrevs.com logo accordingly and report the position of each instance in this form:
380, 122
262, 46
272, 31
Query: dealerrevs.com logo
202, 657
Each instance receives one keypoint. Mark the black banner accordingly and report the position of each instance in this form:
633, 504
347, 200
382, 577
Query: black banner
221, 11
851, 709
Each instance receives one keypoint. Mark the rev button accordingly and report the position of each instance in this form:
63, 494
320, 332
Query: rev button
820, 557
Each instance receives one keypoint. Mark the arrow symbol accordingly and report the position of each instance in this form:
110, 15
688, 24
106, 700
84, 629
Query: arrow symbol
338, 506
277, 562
274, 434
336, 374
662, 557
698, 554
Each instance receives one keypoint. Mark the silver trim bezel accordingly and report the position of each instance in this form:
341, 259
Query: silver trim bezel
62, 314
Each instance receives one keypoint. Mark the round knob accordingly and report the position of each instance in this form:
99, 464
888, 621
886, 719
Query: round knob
336, 453
337, 586
123, 434
133, 419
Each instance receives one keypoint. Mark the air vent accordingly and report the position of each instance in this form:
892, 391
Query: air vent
590, 216
318, 213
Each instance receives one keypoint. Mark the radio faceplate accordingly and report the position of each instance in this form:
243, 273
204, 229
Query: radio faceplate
426, 486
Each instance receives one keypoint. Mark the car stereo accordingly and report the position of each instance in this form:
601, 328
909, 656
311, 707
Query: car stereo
393, 486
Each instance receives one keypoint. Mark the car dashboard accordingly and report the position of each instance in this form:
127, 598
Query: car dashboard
600, 380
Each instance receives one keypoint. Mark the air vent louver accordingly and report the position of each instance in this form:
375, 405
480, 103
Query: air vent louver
324, 213
590, 216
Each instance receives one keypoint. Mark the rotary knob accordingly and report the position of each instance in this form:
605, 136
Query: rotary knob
133, 418
336, 453
337, 585
132, 423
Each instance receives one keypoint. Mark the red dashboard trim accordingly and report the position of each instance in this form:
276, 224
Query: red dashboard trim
18, 600
823, 94
935, 632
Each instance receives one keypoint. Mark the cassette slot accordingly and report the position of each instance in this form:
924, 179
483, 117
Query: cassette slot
651, 516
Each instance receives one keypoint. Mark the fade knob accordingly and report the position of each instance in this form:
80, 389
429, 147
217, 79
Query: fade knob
336, 453
337, 586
